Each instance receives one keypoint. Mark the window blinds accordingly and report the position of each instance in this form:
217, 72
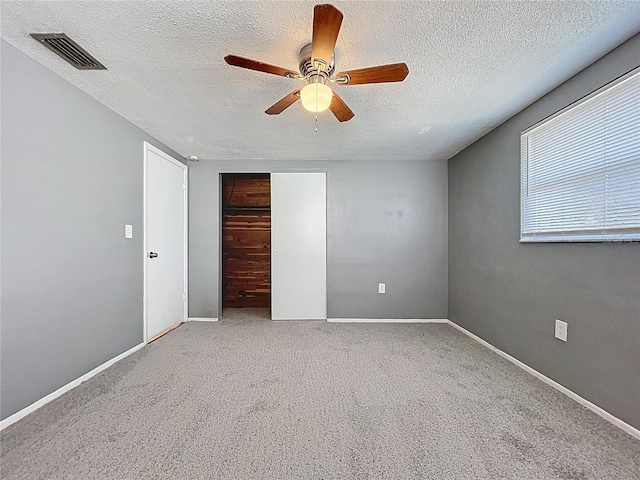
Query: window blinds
581, 169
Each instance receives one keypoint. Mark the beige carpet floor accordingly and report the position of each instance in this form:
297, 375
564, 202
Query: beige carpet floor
247, 398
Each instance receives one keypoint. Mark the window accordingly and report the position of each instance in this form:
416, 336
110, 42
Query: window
581, 169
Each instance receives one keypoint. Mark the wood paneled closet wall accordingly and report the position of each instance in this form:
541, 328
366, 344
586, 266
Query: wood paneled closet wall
246, 240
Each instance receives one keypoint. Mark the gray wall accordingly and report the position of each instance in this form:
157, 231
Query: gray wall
386, 222
510, 293
71, 283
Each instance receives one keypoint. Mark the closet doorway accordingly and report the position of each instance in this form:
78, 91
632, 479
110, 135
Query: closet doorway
246, 240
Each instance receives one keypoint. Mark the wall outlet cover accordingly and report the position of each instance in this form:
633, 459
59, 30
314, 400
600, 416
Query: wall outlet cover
128, 231
561, 330
382, 287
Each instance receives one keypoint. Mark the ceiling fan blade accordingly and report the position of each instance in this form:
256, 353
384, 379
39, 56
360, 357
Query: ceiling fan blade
340, 109
395, 72
281, 105
259, 66
326, 26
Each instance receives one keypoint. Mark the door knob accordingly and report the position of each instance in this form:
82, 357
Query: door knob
153, 254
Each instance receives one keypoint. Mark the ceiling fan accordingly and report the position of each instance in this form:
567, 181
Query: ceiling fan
316, 65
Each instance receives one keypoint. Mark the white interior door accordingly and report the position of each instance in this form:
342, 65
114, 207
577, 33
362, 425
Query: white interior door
165, 242
298, 246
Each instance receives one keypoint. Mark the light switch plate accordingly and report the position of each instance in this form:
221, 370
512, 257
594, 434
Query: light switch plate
128, 231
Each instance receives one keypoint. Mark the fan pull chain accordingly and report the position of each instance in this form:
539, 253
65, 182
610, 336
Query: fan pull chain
316, 104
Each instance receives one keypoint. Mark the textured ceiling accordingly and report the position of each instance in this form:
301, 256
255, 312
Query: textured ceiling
473, 64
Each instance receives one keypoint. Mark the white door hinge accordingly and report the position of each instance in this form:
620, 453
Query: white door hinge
184, 296
184, 186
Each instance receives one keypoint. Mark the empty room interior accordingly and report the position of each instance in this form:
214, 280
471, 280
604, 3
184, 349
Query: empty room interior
293, 240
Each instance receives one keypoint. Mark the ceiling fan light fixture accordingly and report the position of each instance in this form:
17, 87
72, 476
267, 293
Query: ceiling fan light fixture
316, 97
316, 63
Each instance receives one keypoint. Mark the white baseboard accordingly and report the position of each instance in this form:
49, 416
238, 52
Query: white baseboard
634, 432
202, 319
388, 320
64, 389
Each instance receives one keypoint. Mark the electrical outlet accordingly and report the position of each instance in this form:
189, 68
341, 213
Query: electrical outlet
381, 287
128, 231
561, 330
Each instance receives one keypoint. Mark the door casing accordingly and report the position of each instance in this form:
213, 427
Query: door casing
219, 253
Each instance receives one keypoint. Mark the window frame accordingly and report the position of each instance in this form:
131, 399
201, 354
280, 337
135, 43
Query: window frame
621, 235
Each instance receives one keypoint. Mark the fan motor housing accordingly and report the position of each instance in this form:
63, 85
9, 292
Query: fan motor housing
306, 68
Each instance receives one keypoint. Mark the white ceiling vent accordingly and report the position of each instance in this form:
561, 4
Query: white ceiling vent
69, 50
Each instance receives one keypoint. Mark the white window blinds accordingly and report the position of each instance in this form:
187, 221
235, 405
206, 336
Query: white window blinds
581, 169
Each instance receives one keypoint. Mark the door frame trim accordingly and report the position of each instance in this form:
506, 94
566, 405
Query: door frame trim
223, 171
147, 147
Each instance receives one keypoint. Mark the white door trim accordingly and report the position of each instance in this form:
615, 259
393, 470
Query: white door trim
150, 148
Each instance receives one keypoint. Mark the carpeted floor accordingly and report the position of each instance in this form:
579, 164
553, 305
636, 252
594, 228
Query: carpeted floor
247, 398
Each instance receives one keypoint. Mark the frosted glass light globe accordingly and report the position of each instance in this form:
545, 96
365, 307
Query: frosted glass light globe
316, 97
